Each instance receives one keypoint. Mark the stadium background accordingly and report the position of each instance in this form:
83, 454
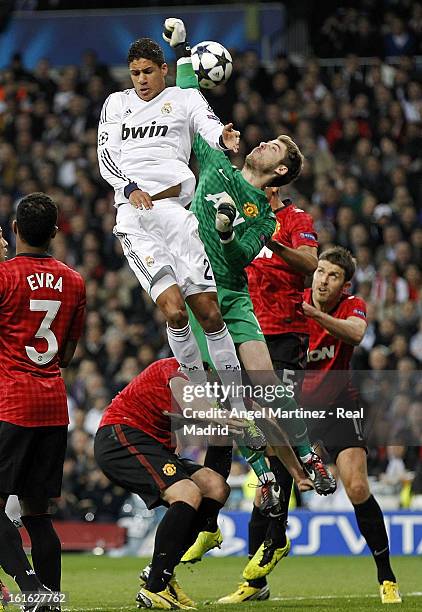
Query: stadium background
345, 81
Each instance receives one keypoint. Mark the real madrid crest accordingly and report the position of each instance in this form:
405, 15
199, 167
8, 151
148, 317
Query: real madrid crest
149, 261
250, 209
169, 469
166, 108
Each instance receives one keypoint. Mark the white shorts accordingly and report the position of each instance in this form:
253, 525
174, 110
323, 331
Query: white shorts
163, 248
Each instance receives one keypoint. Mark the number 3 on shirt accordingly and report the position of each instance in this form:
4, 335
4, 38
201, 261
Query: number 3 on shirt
51, 308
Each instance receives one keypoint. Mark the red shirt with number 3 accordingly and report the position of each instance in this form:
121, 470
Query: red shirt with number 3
42, 306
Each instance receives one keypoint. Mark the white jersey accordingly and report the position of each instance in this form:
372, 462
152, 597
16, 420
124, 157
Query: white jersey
149, 143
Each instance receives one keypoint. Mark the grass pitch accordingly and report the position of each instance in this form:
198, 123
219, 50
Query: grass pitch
318, 584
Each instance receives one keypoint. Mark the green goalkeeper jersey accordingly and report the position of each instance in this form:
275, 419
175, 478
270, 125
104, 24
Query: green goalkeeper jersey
255, 222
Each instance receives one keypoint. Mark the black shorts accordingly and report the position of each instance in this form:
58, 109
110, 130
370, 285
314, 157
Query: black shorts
288, 354
336, 434
31, 460
135, 461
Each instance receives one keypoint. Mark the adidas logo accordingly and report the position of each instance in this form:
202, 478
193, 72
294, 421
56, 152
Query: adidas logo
127, 112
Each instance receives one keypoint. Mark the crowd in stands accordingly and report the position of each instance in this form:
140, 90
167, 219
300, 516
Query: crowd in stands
360, 129
369, 28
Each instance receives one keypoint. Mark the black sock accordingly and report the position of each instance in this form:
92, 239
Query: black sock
258, 525
45, 548
285, 480
276, 532
219, 459
262, 528
12, 556
257, 529
170, 542
371, 524
206, 518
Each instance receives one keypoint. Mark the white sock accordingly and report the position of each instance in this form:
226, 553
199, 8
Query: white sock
223, 355
186, 350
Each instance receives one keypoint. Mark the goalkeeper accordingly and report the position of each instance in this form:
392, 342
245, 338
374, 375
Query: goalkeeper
235, 221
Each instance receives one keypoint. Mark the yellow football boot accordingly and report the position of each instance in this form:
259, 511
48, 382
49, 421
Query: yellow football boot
164, 600
265, 559
205, 541
178, 592
245, 592
389, 592
173, 586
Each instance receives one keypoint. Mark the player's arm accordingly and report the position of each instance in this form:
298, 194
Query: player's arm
284, 451
175, 34
292, 465
350, 330
203, 119
109, 151
205, 122
75, 329
68, 352
239, 252
304, 259
302, 255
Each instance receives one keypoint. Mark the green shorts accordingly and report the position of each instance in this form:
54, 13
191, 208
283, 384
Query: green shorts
238, 314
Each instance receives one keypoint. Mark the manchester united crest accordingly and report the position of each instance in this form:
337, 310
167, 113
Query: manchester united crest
169, 469
166, 108
250, 209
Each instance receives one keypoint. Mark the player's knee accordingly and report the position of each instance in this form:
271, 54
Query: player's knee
185, 491
193, 495
211, 319
173, 307
218, 488
357, 491
176, 316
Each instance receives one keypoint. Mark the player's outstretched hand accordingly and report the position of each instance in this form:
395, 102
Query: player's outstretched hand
174, 31
140, 199
231, 138
225, 216
309, 311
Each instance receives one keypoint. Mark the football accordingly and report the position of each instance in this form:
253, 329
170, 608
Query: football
212, 63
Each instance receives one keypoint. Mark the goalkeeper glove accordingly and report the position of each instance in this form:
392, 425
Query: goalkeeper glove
226, 214
175, 34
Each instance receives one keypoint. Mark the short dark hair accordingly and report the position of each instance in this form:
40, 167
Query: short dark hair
342, 258
293, 160
36, 218
145, 48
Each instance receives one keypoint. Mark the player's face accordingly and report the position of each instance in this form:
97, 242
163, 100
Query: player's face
3, 246
148, 78
268, 156
328, 282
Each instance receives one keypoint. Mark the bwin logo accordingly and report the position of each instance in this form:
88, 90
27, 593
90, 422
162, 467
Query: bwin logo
144, 132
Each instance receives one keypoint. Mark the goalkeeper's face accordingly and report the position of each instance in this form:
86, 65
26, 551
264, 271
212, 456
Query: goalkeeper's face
148, 78
268, 157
